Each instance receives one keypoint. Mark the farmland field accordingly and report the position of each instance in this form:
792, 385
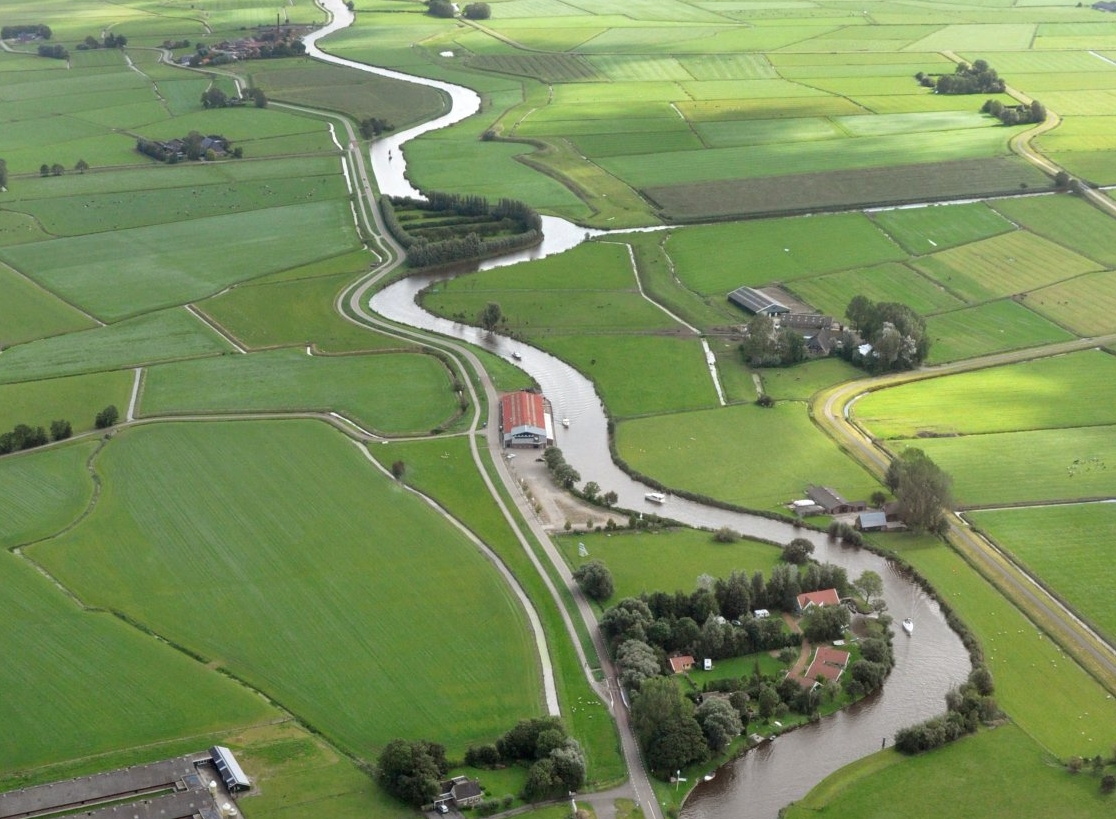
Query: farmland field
43, 492
365, 388
29, 312
1085, 304
1059, 544
1065, 391
714, 453
285, 529
989, 328
77, 400
925, 230
886, 282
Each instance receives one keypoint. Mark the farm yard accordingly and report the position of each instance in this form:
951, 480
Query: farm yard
784, 145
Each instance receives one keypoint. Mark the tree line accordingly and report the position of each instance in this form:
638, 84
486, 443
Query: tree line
34, 29
110, 40
24, 436
447, 10
978, 78
1020, 114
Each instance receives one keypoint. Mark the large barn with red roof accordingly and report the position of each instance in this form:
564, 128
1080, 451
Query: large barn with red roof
526, 420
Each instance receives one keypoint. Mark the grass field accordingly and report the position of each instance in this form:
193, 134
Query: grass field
1085, 304
886, 282
29, 312
365, 388
1064, 391
286, 530
870, 788
77, 400
101, 686
989, 328
1059, 544
1067, 220
925, 230
667, 561
714, 452
43, 492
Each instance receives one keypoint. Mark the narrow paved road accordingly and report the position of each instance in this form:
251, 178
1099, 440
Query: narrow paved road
831, 411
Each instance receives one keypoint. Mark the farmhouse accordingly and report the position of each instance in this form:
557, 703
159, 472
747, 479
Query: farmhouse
681, 663
828, 664
832, 502
758, 302
526, 420
824, 597
460, 792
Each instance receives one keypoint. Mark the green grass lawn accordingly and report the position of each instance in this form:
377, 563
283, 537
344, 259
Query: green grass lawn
667, 561
925, 230
974, 772
1021, 659
890, 281
366, 388
718, 453
1068, 220
1063, 545
350, 595
801, 381
77, 400
1065, 391
1085, 304
165, 335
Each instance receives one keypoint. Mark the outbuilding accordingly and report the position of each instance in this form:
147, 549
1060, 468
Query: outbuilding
526, 420
758, 302
230, 770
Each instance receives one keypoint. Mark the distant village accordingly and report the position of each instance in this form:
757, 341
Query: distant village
268, 42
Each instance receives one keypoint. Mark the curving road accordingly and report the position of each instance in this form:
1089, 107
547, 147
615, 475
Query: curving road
831, 411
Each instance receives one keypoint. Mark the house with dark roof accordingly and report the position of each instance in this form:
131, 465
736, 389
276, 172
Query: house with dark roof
832, 502
822, 597
871, 521
460, 792
758, 302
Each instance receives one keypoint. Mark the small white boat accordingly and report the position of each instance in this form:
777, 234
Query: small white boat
908, 625
566, 423
707, 778
517, 356
655, 497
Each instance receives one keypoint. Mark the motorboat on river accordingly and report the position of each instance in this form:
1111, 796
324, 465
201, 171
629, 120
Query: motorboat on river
655, 497
908, 625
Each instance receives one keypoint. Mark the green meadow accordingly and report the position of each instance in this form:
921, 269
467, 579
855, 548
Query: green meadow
1072, 390
77, 399
364, 388
1084, 304
285, 529
669, 560
720, 453
1059, 544
43, 491
989, 328
1022, 660
29, 312
872, 787
926, 230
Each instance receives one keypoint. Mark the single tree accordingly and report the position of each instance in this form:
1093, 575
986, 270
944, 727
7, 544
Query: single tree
594, 579
719, 721
477, 11
44, 170
3, 174
491, 316
869, 584
82, 166
921, 488
798, 551
398, 469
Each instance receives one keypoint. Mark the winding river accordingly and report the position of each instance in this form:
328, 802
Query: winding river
762, 781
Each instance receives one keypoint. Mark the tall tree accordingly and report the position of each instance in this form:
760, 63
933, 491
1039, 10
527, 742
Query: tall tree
82, 166
491, 316
595, 580
412, 771
3, 174
922, 490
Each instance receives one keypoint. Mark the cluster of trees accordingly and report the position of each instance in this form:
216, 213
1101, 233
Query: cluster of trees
54, 52
34, 29
57, 169
564, 474
764, 346
191, 147
967, 707
257, 96
24, 437
1015, 114
440, 8
595, 580
1097, 763
508, 225
666, 726
477, 11
374, 126
922, 489
107, 417
110, 41
556, 760
171, 45
896, 332
978, 78
412, 770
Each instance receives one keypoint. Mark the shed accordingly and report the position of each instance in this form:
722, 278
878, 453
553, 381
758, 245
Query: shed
871, 521
229, 768
832, 502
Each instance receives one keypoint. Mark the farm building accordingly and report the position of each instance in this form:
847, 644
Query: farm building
832, 502
526, 420
756, 301
823, 597
681, 663
871, 521
806, 322
230, 770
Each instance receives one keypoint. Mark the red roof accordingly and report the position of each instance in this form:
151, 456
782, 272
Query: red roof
829, 663
683, 663
521, 409
825, 597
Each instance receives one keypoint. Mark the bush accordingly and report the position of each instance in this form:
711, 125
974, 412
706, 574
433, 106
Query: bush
107, 417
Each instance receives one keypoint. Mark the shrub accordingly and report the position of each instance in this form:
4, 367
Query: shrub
107, 417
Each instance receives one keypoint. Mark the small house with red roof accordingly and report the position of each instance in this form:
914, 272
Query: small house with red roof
681, 663
828, 664
824, 597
